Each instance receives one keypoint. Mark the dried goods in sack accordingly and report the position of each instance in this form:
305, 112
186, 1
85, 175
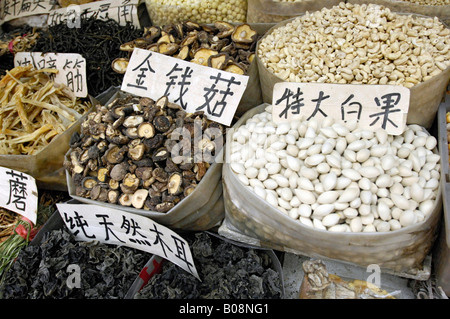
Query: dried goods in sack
41, 271
142, 153
34, 110
227, 271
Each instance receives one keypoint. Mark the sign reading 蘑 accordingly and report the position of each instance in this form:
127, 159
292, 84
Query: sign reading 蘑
18, 193
372, 106
71, 68
111, 226
193, 86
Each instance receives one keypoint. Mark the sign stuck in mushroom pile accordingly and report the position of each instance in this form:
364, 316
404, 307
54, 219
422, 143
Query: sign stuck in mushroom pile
142, 153
338, 177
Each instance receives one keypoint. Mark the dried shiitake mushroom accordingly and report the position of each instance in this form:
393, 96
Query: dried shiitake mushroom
197, 43
122, 154
120, 65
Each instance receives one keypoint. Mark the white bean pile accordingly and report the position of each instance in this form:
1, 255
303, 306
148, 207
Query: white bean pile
338, 177
359, 44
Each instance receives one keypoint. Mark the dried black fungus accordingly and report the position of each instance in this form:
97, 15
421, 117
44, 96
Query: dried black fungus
227, 271
41, 271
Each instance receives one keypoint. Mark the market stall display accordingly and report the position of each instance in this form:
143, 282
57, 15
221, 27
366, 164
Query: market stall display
227, 271
38, 117
360, 44
201, 11
16, 232
220, 45
248, 196
316, 197
145, 155
40, 271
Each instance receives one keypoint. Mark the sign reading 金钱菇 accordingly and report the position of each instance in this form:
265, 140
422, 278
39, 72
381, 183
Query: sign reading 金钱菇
193, 86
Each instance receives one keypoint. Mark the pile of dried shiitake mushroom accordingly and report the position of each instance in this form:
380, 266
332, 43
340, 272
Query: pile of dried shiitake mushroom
142, 153
221, 45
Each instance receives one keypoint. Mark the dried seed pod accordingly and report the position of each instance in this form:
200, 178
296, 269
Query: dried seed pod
175, 184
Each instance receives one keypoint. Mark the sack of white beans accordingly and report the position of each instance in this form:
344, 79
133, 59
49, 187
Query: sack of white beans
363, 45
339, 191
431, 8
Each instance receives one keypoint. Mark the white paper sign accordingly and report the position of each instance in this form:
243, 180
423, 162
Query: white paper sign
18, 193
111, 226
192, 86
12, 9
122, 11
71, 68
373, 106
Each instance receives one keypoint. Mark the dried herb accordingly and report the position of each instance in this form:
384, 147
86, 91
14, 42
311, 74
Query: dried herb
41, 271
226, 270
12, 41
98, 41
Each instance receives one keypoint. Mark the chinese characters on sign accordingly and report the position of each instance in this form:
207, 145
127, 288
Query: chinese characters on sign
110, 226
71, 68
122, 11
192, 86
372, 106
12, 9
18, 193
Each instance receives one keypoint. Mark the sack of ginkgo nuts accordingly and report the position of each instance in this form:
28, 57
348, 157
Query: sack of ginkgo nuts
254, 217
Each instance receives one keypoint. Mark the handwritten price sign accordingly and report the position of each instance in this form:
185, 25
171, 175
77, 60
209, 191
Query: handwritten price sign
372, 106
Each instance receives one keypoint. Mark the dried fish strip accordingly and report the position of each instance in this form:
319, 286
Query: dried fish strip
34, 110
